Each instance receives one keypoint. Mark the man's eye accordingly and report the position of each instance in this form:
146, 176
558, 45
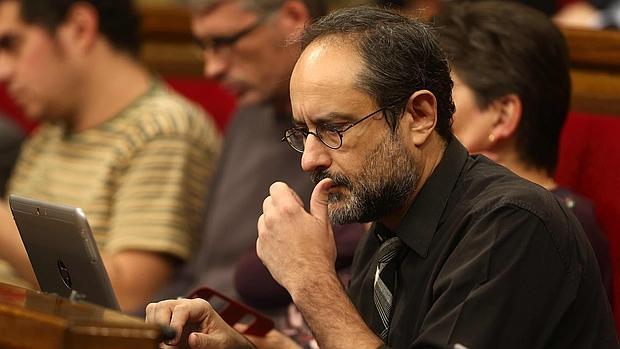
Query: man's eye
200, 42
8, 43
331, 128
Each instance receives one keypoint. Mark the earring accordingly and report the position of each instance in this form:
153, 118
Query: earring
491, 138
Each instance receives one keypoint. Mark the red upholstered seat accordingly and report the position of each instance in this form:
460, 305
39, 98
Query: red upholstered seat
214, 99
590, 165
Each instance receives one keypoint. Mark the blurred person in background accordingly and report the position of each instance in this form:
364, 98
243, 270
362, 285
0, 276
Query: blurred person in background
512, 91
593, 14
246, 47
11, 137
113, 140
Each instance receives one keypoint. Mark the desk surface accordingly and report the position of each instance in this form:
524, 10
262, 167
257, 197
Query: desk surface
30, 319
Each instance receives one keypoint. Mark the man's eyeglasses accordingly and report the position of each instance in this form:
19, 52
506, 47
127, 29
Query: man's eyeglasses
216, 43
329, 135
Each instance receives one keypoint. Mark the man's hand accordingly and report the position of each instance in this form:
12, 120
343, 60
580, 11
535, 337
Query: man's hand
299, 250
196, 324
292, 243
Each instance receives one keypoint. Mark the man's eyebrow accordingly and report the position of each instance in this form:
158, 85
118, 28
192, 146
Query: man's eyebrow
334, 117
329, 118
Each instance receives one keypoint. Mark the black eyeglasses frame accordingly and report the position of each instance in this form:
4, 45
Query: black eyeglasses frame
217, 43
305, 132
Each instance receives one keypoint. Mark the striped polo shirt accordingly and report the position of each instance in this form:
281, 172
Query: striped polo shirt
140, 177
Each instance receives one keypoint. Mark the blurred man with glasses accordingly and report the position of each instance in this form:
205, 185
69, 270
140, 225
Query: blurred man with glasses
246, 47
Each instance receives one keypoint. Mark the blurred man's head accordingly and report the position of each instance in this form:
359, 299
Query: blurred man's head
374, 90
512, 84
246, 44
45, 45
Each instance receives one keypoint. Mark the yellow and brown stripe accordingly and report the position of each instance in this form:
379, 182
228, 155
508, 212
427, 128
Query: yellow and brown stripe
141, 177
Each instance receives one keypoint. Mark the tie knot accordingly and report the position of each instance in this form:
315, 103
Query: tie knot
389, 249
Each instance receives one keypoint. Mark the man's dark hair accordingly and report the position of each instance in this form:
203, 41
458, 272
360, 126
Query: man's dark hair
501, 48
119, 21
400, 54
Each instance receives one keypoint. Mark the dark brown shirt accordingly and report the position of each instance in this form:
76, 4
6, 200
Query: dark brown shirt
490, 261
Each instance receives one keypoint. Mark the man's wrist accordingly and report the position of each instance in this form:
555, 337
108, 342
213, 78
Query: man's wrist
312, 284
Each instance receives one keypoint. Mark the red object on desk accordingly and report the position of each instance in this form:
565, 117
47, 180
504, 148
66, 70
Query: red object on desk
233, 312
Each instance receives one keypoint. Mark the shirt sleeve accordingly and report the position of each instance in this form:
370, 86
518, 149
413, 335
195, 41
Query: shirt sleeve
159, 204
501, 287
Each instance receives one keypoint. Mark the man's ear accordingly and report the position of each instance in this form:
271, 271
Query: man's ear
80, 29
507, 111
420, 116
293, 16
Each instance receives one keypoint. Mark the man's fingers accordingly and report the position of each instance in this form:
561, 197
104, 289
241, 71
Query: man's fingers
162, 313
159, 313
180, 315
319, 199
260, 225
280, 190
198, 340
267, 203
296, 197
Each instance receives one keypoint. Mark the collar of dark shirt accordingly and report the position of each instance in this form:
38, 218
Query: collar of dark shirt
420, 223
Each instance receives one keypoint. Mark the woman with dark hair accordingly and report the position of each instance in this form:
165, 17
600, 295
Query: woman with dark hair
512, 88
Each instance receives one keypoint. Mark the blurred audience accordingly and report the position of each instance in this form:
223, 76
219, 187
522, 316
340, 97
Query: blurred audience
429, 8
592, 14
511, 90
11, 137
114, 140
250, 56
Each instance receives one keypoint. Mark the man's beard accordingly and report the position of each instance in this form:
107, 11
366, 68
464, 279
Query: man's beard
386, 180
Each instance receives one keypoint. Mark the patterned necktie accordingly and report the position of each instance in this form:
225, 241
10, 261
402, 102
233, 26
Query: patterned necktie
385, 282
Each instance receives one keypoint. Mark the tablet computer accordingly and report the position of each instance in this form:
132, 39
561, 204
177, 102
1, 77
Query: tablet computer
62, 251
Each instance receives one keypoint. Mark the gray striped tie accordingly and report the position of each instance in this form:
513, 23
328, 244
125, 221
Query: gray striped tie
385, 282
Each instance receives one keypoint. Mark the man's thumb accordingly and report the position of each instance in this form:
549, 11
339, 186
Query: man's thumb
198, 340
319, 198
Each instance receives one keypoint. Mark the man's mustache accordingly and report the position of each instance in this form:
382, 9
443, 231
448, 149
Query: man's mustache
338, 179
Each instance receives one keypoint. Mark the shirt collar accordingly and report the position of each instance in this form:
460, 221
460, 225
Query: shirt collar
420, 223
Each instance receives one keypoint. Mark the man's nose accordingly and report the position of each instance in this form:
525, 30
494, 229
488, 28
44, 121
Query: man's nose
6, 68
316, 155
215, 65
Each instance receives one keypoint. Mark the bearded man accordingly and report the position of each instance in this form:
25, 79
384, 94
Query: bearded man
462, 252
